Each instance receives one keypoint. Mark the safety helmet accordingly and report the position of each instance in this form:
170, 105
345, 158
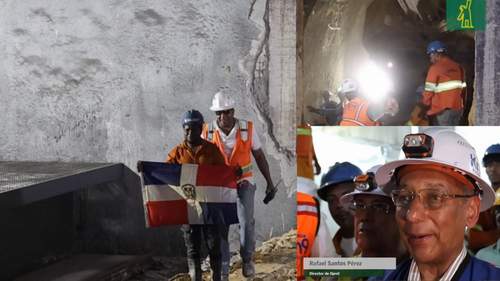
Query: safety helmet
436, 47
445, 148
347, 86
364, 184
192, 116
492, 152
222, 101
338, 173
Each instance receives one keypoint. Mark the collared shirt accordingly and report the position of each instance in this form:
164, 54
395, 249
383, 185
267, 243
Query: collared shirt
206, 153
414, 274
230, 140
490, 254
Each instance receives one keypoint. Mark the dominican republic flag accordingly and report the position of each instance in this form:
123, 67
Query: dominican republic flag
188, 194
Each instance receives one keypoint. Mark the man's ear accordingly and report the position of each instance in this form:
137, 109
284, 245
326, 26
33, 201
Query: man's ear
472, 208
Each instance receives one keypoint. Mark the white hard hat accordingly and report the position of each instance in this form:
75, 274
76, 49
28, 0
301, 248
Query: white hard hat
443, 147
222, 101
349, 197
348, 85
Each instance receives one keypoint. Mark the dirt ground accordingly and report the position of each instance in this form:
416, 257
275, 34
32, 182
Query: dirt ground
274, 261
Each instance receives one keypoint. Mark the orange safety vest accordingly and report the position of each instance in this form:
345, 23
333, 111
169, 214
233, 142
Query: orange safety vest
305, 152
242, 151
356, 114
307, 228
444, 85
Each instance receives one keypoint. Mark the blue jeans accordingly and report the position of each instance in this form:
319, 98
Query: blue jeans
246, 194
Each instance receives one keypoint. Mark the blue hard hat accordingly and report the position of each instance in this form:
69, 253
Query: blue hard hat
436, 47
492, 152
338, 173
192, 116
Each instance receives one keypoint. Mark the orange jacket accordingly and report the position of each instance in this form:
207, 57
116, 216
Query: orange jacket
305, 152
307, 228
206, 153
444, 85
356, 114
242, 152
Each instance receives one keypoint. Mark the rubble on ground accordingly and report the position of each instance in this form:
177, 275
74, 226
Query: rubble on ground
274, 261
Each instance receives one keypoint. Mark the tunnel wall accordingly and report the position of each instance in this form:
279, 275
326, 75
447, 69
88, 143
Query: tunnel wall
107, 81
488, 68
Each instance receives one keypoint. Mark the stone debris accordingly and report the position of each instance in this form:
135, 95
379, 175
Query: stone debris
274, 261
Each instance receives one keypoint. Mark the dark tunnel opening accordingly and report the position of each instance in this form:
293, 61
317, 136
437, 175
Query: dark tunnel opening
381, 32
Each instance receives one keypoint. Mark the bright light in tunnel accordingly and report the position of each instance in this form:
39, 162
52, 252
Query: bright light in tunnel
390, 65
374, 82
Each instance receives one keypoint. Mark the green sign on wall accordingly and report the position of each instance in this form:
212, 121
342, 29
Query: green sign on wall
465, 14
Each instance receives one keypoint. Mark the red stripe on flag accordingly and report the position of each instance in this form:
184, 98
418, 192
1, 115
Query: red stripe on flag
167, 212
216, 175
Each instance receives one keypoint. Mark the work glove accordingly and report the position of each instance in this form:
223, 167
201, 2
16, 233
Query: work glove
270, 192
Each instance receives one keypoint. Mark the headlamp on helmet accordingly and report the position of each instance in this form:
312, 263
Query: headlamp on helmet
418, 146
365, 182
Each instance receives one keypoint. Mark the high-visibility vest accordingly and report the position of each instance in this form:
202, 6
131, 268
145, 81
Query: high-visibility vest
356, 114
307, 228
444, 85
305, 152
241, 154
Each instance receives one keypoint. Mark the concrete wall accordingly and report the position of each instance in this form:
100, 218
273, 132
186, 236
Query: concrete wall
488, 68
107, 81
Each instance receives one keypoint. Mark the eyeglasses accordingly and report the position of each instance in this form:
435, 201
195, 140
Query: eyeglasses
226, 112
378, 207
431, 199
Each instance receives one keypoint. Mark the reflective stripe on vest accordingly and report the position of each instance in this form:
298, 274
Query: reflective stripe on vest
353, 121
307, 228
304, 131
242, 150
444, 86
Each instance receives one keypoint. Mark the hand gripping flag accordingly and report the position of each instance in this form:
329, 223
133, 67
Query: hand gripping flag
188, 194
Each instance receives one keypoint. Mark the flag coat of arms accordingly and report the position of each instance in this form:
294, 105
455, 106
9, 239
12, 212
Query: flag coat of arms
188, 194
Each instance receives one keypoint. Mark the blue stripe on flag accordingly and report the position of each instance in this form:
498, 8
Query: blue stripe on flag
158, 173
220, 213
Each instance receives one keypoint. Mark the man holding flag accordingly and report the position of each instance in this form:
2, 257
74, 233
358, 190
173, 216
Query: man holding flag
195, 150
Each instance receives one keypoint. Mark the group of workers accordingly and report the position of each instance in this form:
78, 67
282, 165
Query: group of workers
441, 101
431, 211
232, 142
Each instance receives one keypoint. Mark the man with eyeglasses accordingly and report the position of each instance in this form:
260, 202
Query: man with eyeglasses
337, 182
238, 141
375, 228
438, 193
486, 232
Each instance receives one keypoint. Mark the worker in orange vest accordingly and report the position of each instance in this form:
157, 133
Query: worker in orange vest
308, 215
360, 112
444, 87
238, 141
486, 232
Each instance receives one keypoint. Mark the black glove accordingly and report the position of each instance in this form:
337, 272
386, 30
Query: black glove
270, 192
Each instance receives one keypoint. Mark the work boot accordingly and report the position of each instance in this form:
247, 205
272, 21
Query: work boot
194, 269
248, 269
205, 264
